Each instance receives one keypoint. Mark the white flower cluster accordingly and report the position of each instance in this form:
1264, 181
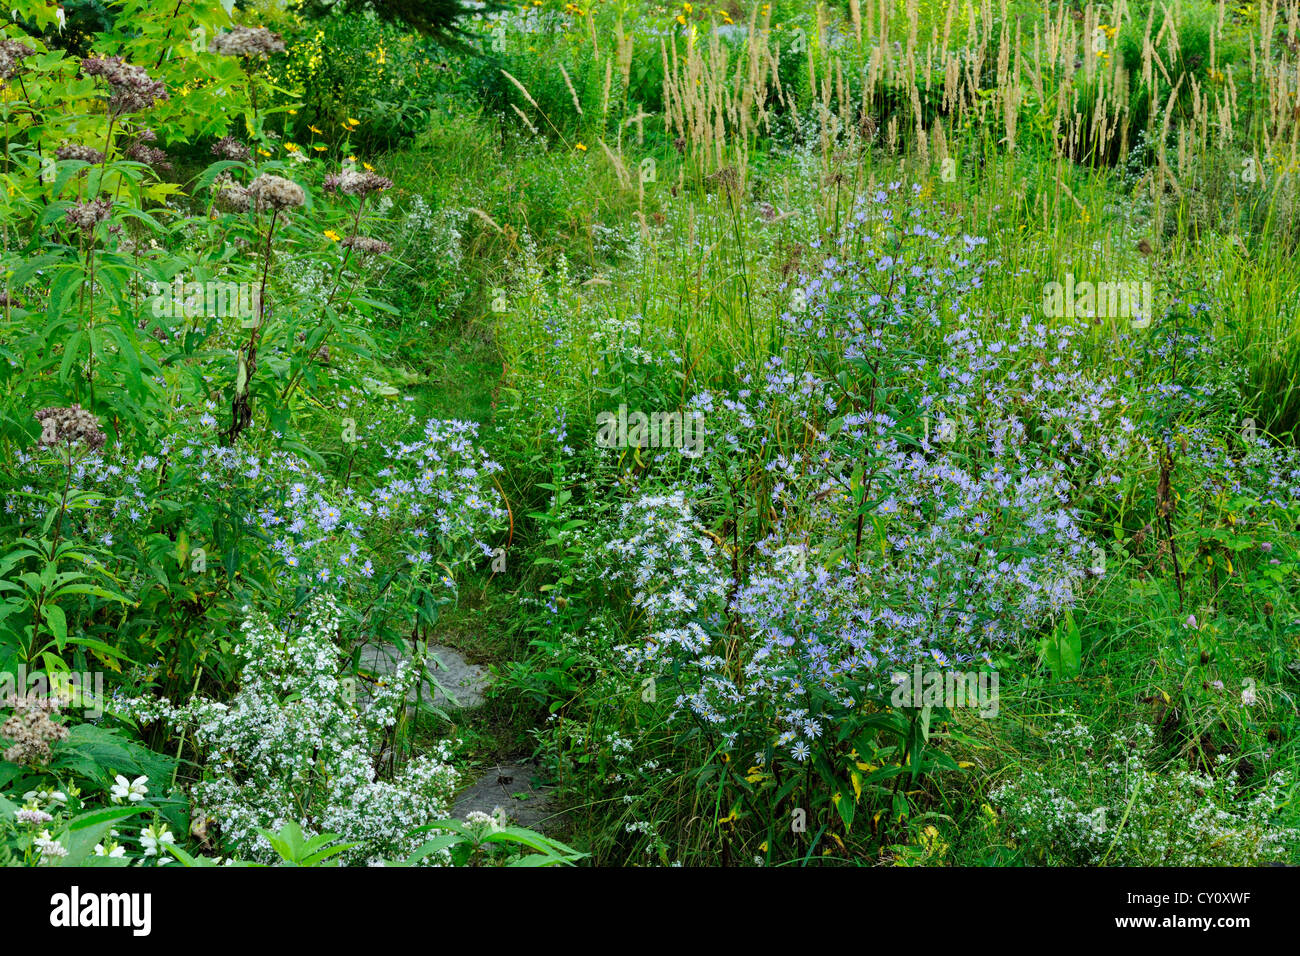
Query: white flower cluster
293, 746
1100, 802
485, 823
49, 848
672, 565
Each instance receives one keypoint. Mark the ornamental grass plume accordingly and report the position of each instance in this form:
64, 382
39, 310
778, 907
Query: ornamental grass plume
69, 426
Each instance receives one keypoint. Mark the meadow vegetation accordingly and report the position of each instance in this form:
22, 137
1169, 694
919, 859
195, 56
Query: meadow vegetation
727, 377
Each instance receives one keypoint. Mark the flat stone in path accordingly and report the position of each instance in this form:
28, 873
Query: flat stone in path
463, 681
510, 787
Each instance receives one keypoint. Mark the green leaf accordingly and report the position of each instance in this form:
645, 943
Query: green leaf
846, 808
93, 818
435, 845
58, 624
1062, 649
186, 859
88, 829
95, 644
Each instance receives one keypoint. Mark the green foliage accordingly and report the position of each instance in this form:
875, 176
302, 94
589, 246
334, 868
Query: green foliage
485, 843
613, 205
437, 18
294, 850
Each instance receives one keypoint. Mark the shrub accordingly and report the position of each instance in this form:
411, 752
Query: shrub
293, 745
1107, 800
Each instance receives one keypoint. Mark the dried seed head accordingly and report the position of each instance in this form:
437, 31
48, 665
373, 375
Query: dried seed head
247, 41
322, 353
84, 215
12, 52
229, 195
356, 182
31, 729
230, 148
157, 331
365, 245
132, 89
276, 192
725, 180
150, 156
67, 426
77, 151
